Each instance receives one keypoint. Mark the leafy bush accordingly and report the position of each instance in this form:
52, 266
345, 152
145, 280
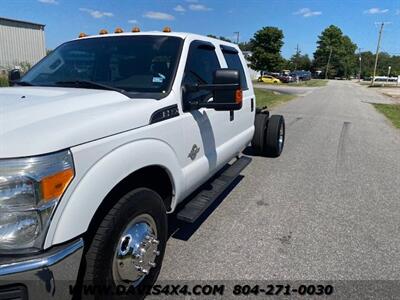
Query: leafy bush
3, 81
25, 66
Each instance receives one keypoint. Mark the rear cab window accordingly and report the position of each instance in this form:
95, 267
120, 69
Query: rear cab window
233, 61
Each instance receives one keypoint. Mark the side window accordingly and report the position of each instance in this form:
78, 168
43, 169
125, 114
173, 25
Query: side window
233, 61
201, 64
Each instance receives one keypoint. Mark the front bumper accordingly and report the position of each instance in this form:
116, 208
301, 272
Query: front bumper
50, 275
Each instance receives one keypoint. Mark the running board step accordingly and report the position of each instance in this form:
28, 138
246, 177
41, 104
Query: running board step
195, 207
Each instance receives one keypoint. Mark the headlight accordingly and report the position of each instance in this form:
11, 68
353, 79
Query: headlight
30, 188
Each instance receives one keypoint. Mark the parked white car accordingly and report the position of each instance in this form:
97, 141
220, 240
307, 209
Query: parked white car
106, 136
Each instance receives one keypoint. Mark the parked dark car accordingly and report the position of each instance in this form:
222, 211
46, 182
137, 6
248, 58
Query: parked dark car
302, 75
284, 78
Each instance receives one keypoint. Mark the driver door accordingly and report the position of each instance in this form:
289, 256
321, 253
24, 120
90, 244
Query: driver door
206, 130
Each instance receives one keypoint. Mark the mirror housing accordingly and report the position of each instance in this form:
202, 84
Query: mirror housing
13, 76
230, 97
227, 93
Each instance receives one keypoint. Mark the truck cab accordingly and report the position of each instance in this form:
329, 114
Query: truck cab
106, 136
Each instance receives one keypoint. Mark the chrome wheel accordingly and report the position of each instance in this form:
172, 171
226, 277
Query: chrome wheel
136, 251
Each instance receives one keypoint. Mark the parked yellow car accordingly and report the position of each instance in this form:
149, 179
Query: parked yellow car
269, 79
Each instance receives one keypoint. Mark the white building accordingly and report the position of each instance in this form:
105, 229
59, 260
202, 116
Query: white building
21, 42
253, 73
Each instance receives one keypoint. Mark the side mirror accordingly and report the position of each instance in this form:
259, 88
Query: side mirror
227, 93
13, 76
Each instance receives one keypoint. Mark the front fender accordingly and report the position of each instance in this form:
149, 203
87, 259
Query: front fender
92, 183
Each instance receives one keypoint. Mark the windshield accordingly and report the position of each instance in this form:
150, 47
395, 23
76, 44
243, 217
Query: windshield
134, 64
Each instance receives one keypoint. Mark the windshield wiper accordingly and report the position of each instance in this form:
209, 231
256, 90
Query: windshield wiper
91, 84
23, 83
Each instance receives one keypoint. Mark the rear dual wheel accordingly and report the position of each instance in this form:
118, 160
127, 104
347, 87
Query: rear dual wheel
269, 135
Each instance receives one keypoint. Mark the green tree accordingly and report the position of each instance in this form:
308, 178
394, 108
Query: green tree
367, 63
347, 65
343, 62
395, 64
299, 62
246, 46
25, 66
266, 48
384, 61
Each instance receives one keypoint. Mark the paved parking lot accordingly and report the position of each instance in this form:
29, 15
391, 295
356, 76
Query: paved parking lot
328, 208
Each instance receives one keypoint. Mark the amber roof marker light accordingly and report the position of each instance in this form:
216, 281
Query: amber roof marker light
135, 29
82, 35
118, 30
103, 31
167, 29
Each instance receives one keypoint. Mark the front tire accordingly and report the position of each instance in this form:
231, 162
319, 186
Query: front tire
128, 246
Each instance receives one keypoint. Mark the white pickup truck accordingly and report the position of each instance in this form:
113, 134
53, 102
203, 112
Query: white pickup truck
106, 136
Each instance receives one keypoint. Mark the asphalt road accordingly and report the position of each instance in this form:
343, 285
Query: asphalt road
327, 209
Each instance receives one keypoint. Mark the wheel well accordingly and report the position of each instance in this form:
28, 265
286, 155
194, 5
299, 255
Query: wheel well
155, 178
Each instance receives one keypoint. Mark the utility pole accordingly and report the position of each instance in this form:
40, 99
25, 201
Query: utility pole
377, 53
237, 36
327, 65
359, 58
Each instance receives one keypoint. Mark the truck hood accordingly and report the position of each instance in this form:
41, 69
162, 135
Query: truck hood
38, 120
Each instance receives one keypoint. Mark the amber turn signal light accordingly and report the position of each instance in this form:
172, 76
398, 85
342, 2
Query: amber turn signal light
53, 186
238, 96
